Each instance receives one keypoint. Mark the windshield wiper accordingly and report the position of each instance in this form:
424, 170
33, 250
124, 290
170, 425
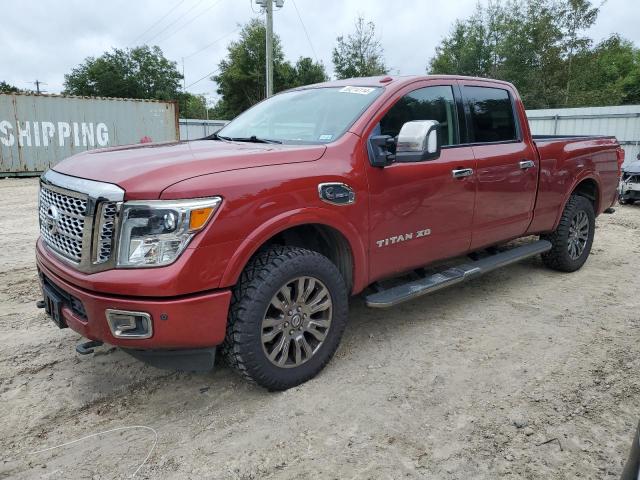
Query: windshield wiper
215, 136
251, 139
254, 139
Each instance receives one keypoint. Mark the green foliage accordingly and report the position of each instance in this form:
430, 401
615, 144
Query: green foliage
192, 106
307, 72
608, 74
241, 78
540, 46
360, 53
141, 72
7, 88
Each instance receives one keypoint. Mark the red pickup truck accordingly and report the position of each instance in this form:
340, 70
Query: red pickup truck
253, 239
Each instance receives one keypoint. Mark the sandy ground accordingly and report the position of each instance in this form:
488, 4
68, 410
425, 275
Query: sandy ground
524, 373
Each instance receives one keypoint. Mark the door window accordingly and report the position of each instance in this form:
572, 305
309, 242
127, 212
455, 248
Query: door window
492, 118
430, 103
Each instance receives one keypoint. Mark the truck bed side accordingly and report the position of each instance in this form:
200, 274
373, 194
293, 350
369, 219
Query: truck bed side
565, 164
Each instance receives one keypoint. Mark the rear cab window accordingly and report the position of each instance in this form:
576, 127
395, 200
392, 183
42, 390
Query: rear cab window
492, 115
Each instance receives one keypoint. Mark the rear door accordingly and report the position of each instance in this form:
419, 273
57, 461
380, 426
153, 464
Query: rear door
507, 165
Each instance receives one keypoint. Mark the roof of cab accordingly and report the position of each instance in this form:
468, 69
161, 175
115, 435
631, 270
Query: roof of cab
395, 80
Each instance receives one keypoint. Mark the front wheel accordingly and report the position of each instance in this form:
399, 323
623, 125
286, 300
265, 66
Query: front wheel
286, 318
571, 241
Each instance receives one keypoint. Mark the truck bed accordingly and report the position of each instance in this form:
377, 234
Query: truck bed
566, 160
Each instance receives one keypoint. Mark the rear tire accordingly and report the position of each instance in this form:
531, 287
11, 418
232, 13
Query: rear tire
571, 241
287, 315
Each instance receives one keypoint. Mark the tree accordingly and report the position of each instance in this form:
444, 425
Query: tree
306, 72
6, 88
192, 106
241, 77
608, 74
359, 54
578, 15
539, 46
141, 72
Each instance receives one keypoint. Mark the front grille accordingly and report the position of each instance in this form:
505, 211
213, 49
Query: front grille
62, 220
79, 219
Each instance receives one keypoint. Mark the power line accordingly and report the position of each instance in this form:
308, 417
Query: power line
202, 78
171, 24
211, 44
197, 16
158, 21
305, 31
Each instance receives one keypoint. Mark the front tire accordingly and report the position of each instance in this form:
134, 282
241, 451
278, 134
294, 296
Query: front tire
287, 315
571, 241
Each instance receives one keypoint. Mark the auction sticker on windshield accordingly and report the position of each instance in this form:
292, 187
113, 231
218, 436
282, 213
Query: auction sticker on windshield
358, 90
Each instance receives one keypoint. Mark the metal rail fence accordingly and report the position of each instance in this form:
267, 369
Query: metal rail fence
621, 121
192, 129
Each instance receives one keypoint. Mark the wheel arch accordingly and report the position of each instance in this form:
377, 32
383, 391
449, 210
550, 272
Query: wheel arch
314, 229
586, 186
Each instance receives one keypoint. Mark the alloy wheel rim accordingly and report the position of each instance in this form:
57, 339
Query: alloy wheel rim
296, 322
578, 234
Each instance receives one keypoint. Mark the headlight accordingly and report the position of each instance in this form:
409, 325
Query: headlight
155, 232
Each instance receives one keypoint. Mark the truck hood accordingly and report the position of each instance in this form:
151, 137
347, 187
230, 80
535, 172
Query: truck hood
143, 171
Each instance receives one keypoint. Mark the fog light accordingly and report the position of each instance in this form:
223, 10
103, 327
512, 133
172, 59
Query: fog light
124, 324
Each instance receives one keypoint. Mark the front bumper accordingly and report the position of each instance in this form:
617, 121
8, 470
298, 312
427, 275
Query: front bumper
181, 322
630, 194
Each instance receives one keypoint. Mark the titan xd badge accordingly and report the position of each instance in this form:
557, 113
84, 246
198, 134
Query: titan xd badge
336, 193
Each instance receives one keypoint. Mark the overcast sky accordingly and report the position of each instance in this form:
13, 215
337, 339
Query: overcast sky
44, 39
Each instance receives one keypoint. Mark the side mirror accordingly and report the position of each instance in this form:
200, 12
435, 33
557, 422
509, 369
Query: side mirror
418, 140
380, 150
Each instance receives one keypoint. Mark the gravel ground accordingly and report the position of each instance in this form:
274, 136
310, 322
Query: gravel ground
523, 373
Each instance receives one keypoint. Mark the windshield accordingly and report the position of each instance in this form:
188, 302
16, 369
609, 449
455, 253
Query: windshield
315, 115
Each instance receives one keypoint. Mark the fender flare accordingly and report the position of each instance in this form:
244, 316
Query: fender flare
578, 180
294, 218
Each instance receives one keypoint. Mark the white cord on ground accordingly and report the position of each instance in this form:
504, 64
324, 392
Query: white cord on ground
155, 442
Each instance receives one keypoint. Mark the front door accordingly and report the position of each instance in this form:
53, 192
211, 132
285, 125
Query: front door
507, 165
418, 211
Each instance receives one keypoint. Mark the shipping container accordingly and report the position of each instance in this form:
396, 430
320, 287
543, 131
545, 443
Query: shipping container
621, 121
37, 131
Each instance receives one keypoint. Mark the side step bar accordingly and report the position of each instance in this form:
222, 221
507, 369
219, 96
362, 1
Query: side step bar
408, 291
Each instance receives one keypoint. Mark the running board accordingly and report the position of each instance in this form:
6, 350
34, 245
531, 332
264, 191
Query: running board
408, 291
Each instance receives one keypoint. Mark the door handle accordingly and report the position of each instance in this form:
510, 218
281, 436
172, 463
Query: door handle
524, 164
462, 172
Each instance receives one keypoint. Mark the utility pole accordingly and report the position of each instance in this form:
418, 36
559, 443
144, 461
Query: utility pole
269, 42
37, 83
267, 5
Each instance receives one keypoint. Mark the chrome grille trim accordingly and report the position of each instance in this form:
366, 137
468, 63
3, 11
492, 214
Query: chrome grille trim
66, 236
87, 220
107, 218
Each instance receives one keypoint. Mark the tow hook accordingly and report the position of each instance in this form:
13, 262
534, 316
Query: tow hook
87, 347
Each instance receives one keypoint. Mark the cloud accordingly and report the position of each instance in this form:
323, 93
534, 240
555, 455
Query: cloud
44, 39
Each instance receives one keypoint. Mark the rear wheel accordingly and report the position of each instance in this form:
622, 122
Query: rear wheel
572, 240
287, 317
